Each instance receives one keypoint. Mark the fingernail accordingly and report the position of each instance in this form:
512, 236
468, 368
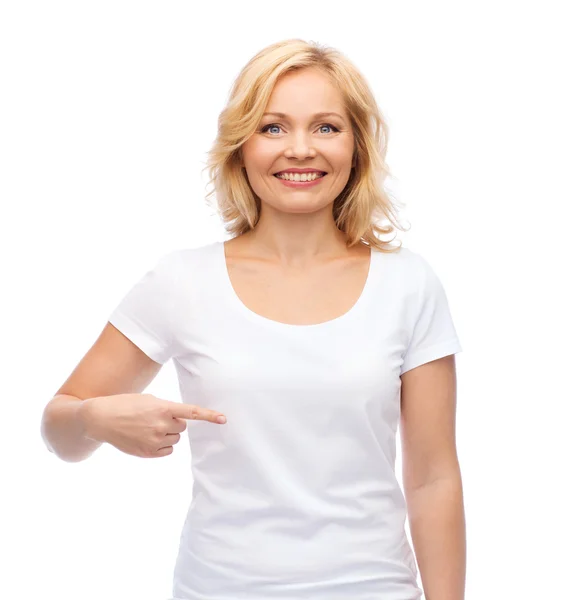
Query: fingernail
221, 419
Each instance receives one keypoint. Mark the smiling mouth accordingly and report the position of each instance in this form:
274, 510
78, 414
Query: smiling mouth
322, 174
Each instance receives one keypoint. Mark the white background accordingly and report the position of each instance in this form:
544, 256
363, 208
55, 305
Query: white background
107, 110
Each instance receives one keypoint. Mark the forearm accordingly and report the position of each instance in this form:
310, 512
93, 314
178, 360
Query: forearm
62, 429
438, 531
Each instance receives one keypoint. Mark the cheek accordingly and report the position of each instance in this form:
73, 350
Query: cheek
259, 155
345, 151
339, 153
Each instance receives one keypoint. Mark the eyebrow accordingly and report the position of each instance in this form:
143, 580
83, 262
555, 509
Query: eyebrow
319, 115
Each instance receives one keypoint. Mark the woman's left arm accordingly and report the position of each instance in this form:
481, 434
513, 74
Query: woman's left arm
432, 479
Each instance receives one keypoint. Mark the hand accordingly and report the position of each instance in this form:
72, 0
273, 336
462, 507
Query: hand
139, 424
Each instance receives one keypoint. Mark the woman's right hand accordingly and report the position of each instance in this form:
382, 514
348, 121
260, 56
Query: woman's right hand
140, 424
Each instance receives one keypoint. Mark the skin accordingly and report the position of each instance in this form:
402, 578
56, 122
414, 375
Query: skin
296, 228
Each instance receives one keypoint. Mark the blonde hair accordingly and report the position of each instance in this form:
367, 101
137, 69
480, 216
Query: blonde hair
362, 202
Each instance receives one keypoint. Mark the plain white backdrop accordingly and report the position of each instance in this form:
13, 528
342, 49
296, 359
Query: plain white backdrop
107, 110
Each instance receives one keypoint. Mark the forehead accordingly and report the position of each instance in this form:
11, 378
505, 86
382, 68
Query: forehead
305, 92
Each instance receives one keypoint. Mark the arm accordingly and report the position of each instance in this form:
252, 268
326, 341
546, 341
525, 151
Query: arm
432, 480
63, 429
113, 365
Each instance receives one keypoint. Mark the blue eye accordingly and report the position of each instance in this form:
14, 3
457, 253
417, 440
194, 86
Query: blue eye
266, 128
328, 125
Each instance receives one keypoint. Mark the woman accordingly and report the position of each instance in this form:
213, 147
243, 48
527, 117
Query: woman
315, 339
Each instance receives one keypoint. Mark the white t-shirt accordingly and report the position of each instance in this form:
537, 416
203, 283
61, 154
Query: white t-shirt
296, 496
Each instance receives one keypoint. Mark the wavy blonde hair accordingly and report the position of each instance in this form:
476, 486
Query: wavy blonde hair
362, 202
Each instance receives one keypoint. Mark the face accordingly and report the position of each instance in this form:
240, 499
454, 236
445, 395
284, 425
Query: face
301, 139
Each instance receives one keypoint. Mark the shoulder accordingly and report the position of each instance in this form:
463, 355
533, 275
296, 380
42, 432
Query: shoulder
404, 267
415, 268
402, 255
408, 278
409, 259
191, 257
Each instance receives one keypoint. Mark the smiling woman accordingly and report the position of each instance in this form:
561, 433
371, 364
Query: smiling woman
299, 139
301, 331
297, 106
317, 322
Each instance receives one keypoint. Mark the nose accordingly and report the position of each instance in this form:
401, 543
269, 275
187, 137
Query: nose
299, 147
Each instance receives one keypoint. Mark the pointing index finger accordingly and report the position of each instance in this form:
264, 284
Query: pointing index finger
196, 413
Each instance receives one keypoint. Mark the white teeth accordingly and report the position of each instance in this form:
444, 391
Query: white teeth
299, 176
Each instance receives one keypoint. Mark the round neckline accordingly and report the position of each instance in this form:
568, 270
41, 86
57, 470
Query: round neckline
237, 303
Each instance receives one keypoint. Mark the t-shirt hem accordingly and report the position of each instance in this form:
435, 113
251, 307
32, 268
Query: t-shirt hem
139, 335
434, 352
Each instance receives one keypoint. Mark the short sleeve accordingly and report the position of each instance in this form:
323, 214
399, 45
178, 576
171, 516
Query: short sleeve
145, 314
433, 335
